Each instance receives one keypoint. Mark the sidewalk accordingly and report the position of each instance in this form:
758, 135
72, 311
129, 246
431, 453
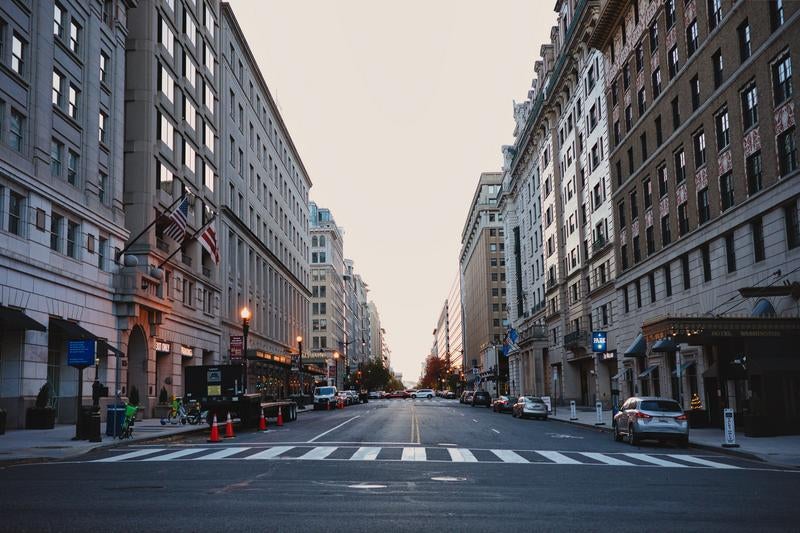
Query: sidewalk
57, 443
783, 450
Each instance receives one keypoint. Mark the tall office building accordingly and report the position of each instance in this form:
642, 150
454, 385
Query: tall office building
61, 205
264, 227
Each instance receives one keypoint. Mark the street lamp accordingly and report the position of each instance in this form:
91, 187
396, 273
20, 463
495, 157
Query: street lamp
245, 314
336, 366
300, 371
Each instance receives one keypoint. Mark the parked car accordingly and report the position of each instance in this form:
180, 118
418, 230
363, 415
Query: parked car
530, 406
422, 393
345, 397
466, 397
354, 398
504, 404
374, 395
324, 396
450, 395
397, 394
481, 397
651, 418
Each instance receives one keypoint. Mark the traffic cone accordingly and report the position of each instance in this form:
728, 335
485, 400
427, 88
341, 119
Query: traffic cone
280, 416
262, 424
214, 437
229, 427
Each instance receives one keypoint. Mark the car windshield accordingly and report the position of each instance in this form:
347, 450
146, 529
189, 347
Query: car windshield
661, 406
529, 399
324, 390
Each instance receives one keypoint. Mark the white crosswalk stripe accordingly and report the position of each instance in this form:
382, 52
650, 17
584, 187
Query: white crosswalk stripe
415, 454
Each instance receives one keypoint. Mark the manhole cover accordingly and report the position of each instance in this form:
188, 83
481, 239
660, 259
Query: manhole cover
366, 486
448, 478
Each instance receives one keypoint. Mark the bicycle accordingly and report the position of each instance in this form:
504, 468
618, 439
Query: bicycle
127, 424
177, 415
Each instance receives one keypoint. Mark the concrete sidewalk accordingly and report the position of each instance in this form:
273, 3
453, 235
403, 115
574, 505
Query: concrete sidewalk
57, 443
783, 450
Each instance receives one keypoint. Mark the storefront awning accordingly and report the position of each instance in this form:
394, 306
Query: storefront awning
621, 374
638, 348
665, 346
684, 366
73, 331
15, 319
648, 371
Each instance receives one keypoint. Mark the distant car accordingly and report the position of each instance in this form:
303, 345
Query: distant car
466, 397
397, 394
481, 397
450, 395
530, 406
345, 397
354, 398
324, 397
504, 404
422, 393
653, 418
374, 395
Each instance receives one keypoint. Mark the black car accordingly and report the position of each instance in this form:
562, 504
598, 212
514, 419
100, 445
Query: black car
504, 404
481, 397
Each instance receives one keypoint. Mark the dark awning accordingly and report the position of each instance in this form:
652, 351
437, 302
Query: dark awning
621, 374
15, 319
665, 345
638, 348
73, 331
648, 371
684, 366
763, 308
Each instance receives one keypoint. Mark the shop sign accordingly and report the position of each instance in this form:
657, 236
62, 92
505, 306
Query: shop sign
187, 351
236, 347
599, 341
730, 429
80, 354
609, 355
161, 346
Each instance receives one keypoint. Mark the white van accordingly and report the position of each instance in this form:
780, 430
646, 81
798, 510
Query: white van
323, 396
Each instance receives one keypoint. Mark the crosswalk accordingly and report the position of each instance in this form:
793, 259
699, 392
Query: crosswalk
417, 454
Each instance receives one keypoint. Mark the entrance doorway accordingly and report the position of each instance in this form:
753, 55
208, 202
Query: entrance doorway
137, 364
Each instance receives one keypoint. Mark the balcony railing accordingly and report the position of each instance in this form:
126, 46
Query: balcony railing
576, 338
552, 282
600, 243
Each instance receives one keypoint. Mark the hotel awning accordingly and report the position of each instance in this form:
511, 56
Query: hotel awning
73, 331
665, 345
648, 371
638, 348
17, 320
621, 374
684, 366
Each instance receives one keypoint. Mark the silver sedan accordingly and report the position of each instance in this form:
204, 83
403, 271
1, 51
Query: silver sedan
529, 406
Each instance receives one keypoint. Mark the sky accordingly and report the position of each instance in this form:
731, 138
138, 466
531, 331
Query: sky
395, 109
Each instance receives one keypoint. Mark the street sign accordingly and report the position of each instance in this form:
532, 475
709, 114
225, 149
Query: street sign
730, 429
236, 347
599, 341
81, 354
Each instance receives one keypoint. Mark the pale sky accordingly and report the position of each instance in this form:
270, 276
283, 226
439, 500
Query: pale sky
396, 108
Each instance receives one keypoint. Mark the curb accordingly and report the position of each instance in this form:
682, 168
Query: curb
719, 449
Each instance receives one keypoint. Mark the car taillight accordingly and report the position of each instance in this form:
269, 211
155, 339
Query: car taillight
640, 414
680, 417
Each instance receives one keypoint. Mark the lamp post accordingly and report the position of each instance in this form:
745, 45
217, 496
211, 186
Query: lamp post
300, 372
245, 314
336, 366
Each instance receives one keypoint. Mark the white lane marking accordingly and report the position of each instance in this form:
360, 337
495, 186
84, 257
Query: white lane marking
474, 420
605, 459
414, 454
366, 453
129, 455
559, 458
175, 455
508, 456
221, 454
461, 455
446, 444
320, 452
270, 452
704, 462
655, 460
495, 431
334, 428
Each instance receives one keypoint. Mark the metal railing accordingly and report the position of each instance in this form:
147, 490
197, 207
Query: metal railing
576, 338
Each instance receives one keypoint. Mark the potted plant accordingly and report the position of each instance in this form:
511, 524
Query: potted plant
42, 415
133, 399
162, 409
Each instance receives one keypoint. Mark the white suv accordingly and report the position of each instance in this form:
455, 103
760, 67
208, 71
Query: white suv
423, 393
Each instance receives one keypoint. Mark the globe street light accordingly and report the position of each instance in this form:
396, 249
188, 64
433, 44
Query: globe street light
336, 366
246, 315
300, 371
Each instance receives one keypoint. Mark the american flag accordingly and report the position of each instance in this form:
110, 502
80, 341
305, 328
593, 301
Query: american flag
177, 229
208, 240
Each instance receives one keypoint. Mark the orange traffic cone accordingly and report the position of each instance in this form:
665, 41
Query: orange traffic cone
262, 424
280, 416
214, 437
229, 427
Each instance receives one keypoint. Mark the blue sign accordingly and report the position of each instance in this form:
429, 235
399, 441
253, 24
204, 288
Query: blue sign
81, 353
599, 341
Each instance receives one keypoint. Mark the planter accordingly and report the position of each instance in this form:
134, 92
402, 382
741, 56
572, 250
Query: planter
698, 418
40, 418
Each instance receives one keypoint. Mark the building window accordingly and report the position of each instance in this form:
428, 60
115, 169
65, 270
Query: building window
703, 208
56, 225
683, 220
787, 152
648, 193
757, 228
659, 132
164, 178
666, 236
166, 84
750, 106
669, 13
663, 185
667, 280
674, 61
638, 286
695, 88
730, 252
16, 130
72, 168
791, 215
641, 99
651, 283
103, 118
634, 206
754, 170
776, 13
628, 119
614, 89
726, 190
676, 114
782, 79
716, 62
705, 253
18, 47
680, 166
687, 280
699, 149
639, 57
104, 67
691, 38
630, 160
56, 154
625, 303
102, 253
656, 83
102, 187
643, 143
621, 211
723, 130
74, 37
166, 37
651, 241
616, 133
626, 76
166, 131
654, 37
745, 43
58, 89
72, 104
637, 251
624, 254
73, 236
58, 21
714, 13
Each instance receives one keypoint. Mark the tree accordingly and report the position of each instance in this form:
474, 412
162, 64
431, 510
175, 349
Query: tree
374, 376
434, 373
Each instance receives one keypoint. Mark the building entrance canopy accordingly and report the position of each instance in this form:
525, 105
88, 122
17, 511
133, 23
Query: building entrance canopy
710, 330
73, 331
14, 319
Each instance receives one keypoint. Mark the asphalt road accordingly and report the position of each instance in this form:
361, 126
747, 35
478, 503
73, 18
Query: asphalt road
402, 465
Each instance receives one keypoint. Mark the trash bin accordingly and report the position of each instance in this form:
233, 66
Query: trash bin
84, 418
113, 411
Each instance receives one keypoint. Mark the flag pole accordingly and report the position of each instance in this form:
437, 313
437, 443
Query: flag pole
145, 230
193, 236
